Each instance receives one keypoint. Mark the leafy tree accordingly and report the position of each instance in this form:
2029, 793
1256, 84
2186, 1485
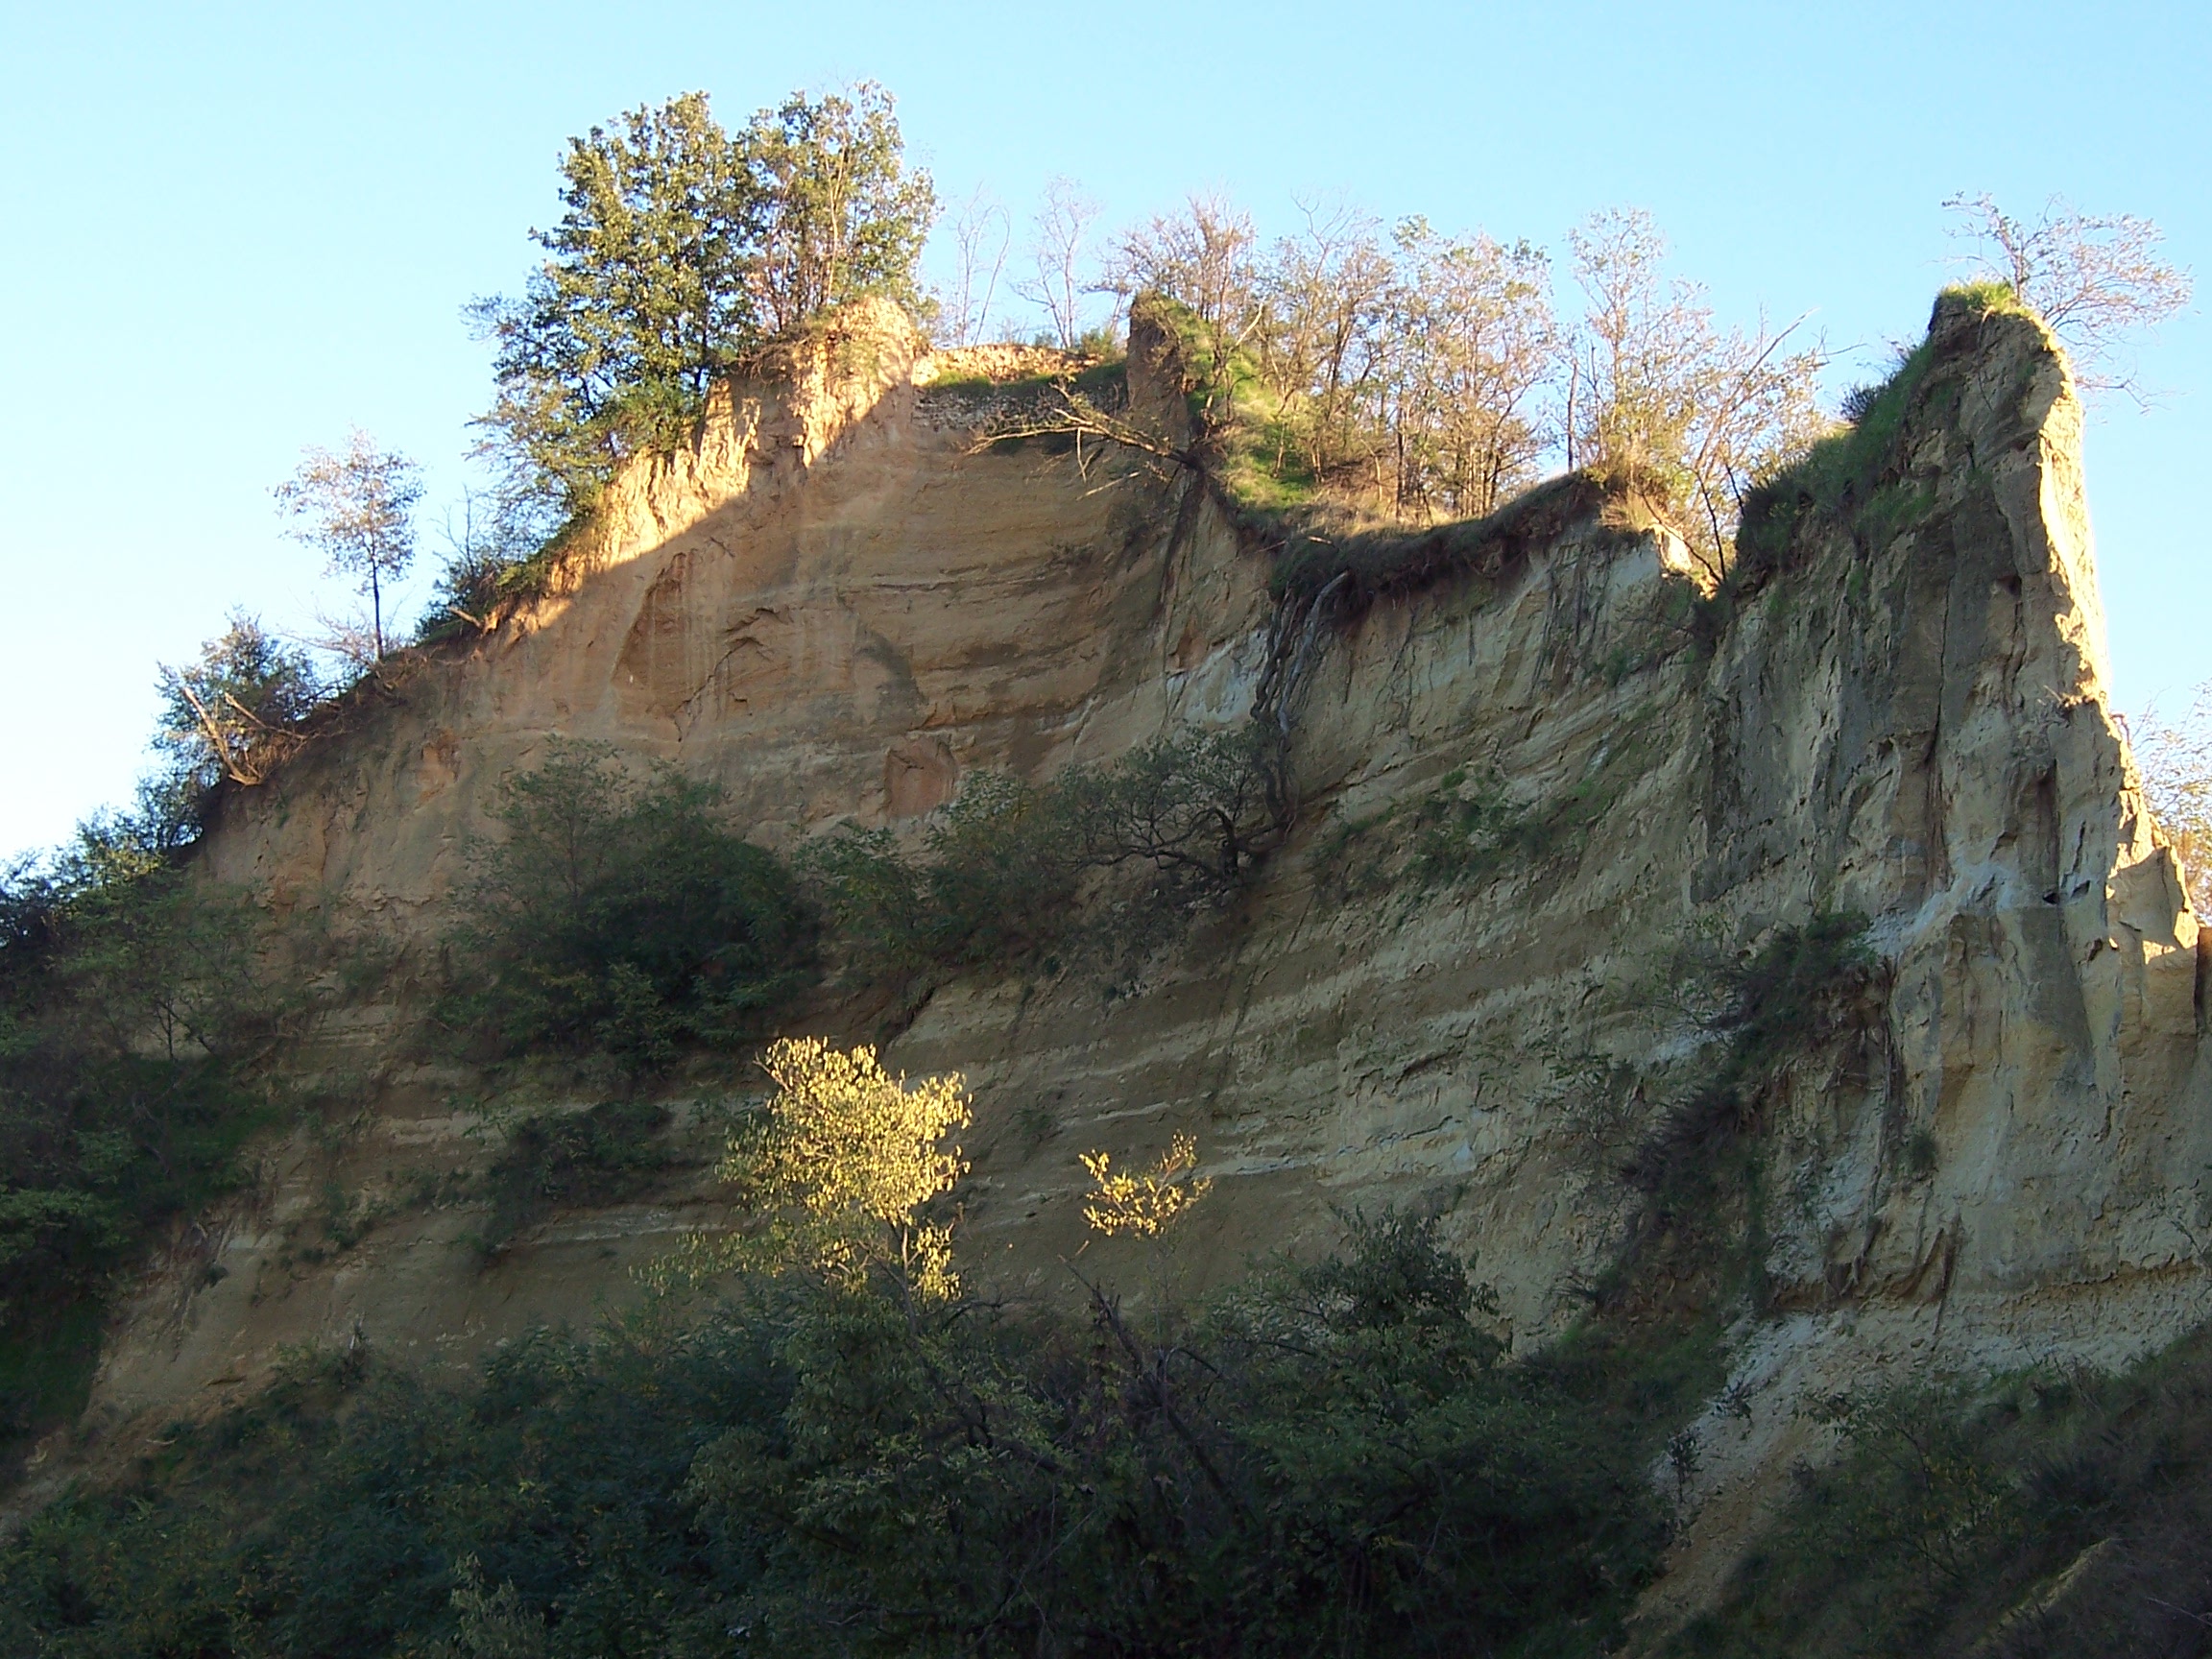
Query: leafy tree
356, 508
641, 300
840, 214
996, 872
843, 1161
622, 914
1205, 258
679, 249
234, 712
2095, 279
133, 1001
1149, 1201
1192, 806
990, 880
1325, 348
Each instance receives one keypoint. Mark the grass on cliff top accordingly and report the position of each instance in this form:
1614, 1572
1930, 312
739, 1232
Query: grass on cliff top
1848, 472
1243, 421
1102, 381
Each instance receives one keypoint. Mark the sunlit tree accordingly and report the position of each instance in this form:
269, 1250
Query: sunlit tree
1658, 393
2175, 757
641, 298
680, 249
1471, 357
356, 507
1324, 346
1147, 1202
844, 1163
839, 214
1207, 256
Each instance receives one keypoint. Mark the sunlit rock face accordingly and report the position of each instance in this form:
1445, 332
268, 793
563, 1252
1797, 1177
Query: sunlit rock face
839, 606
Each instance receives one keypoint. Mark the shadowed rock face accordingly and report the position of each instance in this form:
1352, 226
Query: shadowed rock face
837, 609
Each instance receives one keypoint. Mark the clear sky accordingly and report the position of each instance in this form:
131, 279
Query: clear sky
227, 231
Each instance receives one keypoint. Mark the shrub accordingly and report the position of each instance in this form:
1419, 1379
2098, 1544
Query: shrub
596, 1156
999, 872
237, 713
1699, 1168
621, 914
2043, 1513
990, 881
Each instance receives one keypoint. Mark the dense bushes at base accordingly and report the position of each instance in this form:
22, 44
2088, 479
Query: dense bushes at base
623, 915
1334, 1460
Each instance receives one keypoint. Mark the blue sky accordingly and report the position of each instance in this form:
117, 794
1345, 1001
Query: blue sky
233, 231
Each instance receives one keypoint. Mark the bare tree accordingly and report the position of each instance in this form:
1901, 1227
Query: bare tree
1325, 293
1472, 348
981, 235
2175, 758
356, 508
1203, 257
2095, 279
1663, 397
1059, 249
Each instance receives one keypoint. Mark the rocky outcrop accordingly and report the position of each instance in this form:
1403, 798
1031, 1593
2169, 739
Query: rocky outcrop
837, 606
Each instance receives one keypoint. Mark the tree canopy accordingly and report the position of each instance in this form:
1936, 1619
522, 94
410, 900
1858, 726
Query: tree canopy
356, 508
232, 713
681, 248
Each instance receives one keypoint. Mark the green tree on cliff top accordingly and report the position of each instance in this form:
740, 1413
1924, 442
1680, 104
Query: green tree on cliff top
680, 249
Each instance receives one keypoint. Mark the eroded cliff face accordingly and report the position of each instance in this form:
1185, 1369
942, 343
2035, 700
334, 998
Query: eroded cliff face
839, 606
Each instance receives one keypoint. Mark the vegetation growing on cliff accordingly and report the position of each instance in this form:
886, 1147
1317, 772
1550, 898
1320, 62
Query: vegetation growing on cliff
234, 714
997, 876
601, 1155
2047, 1513
2175, 756
133, 1005
1699, 1234
1361, 391
356, 508
2094, 279
619, 914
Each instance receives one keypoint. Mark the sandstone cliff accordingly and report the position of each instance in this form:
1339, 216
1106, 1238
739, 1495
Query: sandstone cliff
837, 606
